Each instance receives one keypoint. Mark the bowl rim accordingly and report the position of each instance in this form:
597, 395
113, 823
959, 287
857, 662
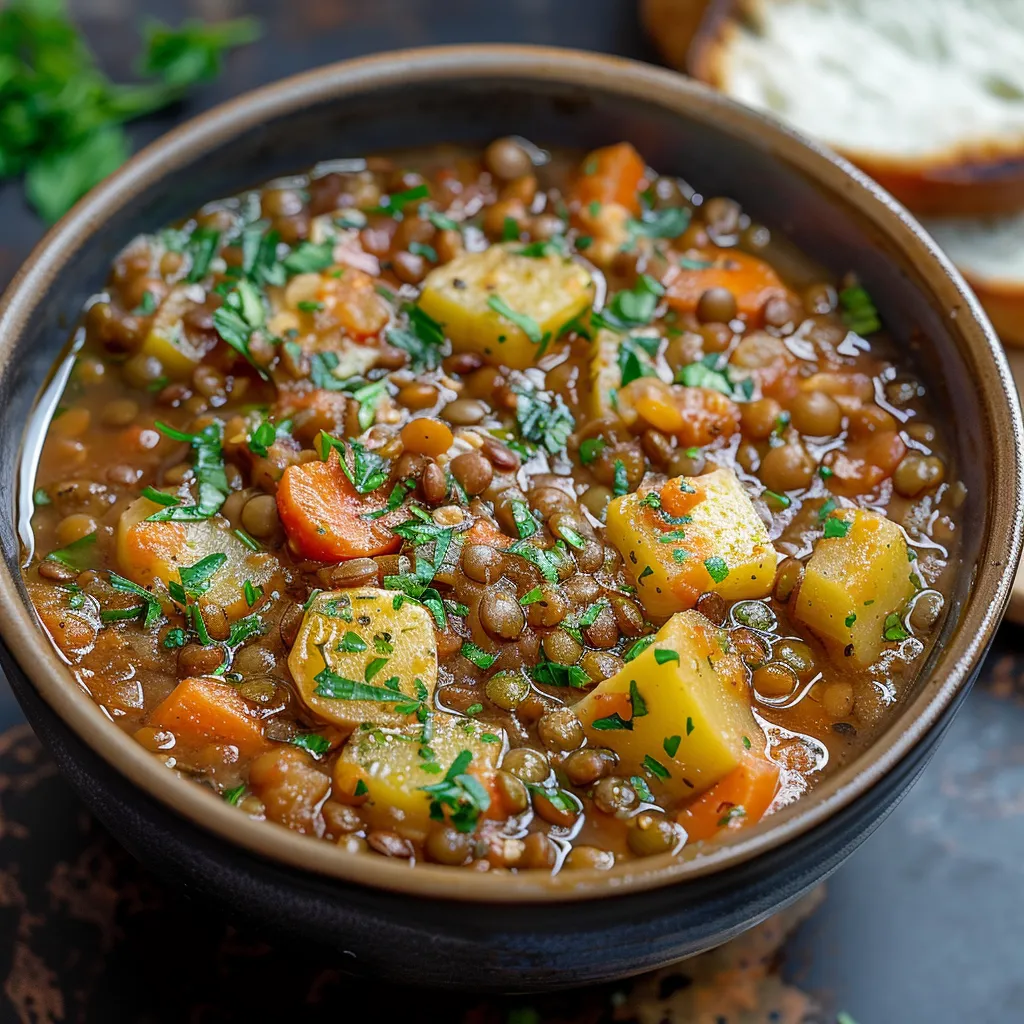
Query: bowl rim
38, 660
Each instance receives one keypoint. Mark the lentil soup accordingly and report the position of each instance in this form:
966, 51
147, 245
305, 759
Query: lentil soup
507, 509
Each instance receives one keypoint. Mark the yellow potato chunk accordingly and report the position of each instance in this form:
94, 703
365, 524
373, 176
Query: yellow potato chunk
147, 552
385, 657
678, 715
605, 375
546, 292
394, 771
853, 581
166, 338
693, 535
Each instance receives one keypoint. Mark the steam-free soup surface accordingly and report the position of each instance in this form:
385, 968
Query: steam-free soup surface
498, 509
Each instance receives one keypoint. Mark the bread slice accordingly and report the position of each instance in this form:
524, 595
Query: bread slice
671, 25
927, 96
990, 254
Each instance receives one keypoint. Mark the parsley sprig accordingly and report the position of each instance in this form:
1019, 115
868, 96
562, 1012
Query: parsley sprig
462, 795
211, 481
62, 117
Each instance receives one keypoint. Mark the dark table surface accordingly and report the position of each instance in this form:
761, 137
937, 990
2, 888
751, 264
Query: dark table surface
924, 923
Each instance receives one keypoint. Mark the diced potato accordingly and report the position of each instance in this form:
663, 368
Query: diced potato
201, 710
154, 551
549, 290
695, 534
394, 772
605, 375
852, 582
166, 339
677, 715
365, 639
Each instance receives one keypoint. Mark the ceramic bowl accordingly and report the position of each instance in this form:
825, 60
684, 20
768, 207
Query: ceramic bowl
441, 926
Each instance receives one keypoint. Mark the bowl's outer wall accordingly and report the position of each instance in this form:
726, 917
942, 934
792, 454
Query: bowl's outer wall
438, 943
516, 945
714, 161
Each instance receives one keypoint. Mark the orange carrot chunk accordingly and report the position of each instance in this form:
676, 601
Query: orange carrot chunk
202, 710
611, 175
323, 514
751, 281
740, 799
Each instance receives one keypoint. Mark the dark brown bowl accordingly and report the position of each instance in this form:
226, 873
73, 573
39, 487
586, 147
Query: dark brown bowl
431, 924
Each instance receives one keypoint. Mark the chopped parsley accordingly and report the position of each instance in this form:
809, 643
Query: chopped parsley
551, 673
656, 768
176, 637
670, 744
635, 358
394, 205
642, 789
827, 509
717, 568
312, 742
639, 647
525, 323
543, 418
351, 643
262, 437
477, 655
858, 311
462, 795
422, 339
668, 223
893, 628
77, 555
526, 524
208, 467
836, 527
662, 657
368, 470
634, 307
149, 609
234, 795
310, 257
242, 313
428, 252
620, 481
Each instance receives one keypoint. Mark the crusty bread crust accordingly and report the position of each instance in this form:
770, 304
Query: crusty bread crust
671, 26
977, 178
1004, 304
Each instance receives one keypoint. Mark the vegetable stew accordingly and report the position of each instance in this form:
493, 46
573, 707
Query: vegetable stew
507, 509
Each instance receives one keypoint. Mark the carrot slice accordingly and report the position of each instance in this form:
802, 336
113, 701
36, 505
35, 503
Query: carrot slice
679, 495
324, 515
201, 710
485, 532
740, 799
611, 175
751, 281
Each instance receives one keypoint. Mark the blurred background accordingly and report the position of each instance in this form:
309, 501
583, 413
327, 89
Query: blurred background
922, 924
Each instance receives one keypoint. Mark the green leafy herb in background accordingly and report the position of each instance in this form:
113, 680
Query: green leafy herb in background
61, 117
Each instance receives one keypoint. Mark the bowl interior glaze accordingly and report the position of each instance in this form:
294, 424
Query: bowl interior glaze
472, 94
